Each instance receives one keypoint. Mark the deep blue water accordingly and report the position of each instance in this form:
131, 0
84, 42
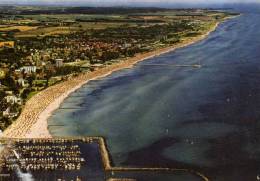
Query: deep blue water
207, 119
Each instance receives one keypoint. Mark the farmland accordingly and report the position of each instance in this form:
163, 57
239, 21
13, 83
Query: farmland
33, 25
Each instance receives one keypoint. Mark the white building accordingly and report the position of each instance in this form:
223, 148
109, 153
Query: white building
127, 45
6, 112
28, 69
13, 99
9, 114
21, 82
59, 62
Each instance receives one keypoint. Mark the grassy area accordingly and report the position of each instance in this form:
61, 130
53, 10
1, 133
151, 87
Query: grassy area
71, 17
55, 24
31, 94
57, 30
44, 31
40, 85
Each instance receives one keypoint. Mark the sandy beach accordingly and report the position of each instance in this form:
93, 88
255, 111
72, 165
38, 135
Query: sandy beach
32, 123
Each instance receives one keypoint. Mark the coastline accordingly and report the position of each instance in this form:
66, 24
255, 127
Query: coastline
32, 123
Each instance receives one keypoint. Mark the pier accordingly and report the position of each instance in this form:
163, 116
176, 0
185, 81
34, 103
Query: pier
173, 65
108, 167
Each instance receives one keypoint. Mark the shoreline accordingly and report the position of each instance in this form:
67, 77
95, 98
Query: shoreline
33, 120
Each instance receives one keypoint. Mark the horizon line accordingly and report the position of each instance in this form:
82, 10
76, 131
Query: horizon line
134, 5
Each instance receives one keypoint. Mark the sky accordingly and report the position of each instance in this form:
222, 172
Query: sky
163, 3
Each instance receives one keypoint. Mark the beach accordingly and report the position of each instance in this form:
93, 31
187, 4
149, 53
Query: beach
32, 122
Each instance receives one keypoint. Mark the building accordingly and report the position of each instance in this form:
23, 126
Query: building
127, 45
21, 82
28, 69
13, 99
59, 62
7, 113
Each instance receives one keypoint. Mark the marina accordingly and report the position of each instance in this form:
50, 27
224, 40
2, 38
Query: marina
58, 159
67, 158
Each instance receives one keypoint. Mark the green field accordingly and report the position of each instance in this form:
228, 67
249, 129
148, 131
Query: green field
56, 24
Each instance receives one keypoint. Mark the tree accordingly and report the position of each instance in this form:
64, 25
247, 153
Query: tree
30, 79
4, 105
89, 55
9, 81
5, 122
49, 72
2, 94
25, 93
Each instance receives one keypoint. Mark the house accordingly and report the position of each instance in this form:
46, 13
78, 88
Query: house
9, 114
59, 62
127, 45
6, 112
21, 82
13, 99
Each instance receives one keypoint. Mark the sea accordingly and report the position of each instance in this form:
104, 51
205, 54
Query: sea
158, 115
